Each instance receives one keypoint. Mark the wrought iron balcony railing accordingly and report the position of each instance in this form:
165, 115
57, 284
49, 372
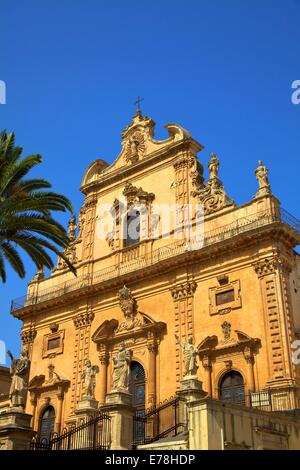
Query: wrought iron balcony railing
241, 225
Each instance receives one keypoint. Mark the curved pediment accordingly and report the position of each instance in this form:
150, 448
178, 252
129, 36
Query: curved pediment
138, 140
214, 344
138, 143
210, 342
105, 330
141, 324
94, 171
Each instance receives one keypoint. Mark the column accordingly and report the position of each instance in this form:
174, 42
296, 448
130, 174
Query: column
103, 358
206, 362
152, 351
33, 402
60, 397
250, 361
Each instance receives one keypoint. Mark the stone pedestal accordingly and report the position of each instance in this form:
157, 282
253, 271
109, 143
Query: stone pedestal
87, 408
15, 430
191, 389
119, 406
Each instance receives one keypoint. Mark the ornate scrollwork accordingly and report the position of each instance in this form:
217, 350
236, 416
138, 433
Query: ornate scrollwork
136, 195
212, 195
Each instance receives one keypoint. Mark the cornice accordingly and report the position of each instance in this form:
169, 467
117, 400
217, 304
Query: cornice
189, 258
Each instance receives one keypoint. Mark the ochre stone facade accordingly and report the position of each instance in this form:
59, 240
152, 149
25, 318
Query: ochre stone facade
237, 294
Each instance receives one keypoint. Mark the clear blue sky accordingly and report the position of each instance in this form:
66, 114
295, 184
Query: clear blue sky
221, 68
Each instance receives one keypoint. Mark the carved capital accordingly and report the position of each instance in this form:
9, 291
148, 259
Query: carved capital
228, 364
185, 161
266, 266
104, 358
33, 399
90, 200
83, 319
28, 336
248, 355
182, 291
152, 347
206, 362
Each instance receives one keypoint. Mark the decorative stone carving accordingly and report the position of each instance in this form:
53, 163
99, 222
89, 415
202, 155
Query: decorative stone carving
135, 137
228, 364
261, 174
70, 251
84, 319
89, 377
127, 302
248, 354
72, 226
121, 370
28, 336
197, 174
266, 266
223, 279
19, 371
53, 377
136, 195
152, 347
81, 220
226, 329
189, 356
212, 195
206, 362
184, 290
53, 327
135, 147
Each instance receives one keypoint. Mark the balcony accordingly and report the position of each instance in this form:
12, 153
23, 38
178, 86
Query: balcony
248, 224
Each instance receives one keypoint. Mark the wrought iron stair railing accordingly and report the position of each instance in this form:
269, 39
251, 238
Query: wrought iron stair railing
167, 420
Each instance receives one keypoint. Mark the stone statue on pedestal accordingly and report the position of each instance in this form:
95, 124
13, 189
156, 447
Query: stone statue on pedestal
19, 371
189, 356
89, 377
261, 174
121, 370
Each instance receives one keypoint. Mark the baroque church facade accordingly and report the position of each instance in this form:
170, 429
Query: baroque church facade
229, 284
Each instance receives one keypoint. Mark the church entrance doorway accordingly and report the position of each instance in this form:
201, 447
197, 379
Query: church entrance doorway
47, 421
232, 388
137, 386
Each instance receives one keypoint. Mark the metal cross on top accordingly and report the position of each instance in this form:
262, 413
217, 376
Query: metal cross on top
138, 102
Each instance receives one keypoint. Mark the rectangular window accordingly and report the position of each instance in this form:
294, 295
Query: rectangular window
54, 343
225, 297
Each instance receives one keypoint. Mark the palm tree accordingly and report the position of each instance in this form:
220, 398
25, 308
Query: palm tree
25, 212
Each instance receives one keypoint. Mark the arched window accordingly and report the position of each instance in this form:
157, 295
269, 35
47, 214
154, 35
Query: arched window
47, 421
132, 228
231, 389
